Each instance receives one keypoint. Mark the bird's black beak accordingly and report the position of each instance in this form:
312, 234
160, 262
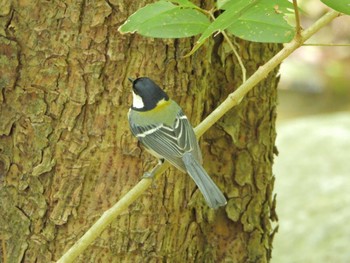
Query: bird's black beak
131, 79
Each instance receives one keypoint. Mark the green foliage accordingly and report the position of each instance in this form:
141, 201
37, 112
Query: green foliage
254, 20
185, 3
166, 20
261, 21
342, 6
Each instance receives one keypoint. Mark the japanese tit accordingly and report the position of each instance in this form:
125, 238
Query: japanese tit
160, 125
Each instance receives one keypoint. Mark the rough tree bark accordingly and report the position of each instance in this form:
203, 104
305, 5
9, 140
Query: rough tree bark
66, 154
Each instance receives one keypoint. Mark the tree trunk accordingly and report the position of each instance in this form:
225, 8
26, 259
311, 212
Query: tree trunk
67, 155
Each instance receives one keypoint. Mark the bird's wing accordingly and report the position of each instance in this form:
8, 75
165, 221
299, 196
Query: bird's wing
186, 136
169, 142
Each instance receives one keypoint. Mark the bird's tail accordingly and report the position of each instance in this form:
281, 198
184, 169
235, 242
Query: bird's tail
212, 194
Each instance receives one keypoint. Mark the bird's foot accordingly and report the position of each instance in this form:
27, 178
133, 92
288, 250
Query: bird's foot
151, 174
148, 175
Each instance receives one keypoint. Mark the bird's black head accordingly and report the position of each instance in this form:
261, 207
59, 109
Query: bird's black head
146, 94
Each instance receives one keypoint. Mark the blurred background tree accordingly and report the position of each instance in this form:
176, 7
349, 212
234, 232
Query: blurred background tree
315, 79
313, 126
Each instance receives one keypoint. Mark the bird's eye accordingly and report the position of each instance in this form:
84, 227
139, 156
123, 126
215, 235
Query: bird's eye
135, 91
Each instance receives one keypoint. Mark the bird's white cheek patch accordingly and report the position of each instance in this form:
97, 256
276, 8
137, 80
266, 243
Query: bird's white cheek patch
137, 101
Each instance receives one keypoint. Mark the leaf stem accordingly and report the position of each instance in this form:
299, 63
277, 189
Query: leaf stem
297, 19
244, 71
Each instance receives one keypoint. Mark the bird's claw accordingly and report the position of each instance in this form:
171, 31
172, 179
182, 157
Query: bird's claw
151, 174
148, 175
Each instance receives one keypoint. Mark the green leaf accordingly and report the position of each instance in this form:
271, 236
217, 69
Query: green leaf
144, 14
185, 3
264, 22
220, 4
342, 6
165, 20
254, 20
224, 20
265, 33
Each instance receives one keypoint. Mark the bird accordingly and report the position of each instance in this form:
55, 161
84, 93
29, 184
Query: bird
163, 129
